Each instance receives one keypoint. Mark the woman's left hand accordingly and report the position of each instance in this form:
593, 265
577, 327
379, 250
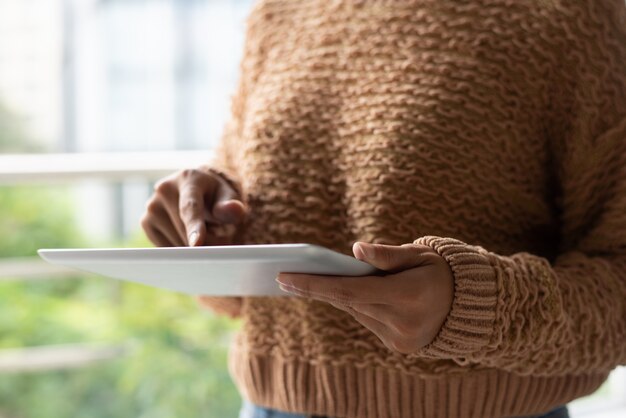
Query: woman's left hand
405, 308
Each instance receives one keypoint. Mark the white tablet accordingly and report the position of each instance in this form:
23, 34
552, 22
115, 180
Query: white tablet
233, 270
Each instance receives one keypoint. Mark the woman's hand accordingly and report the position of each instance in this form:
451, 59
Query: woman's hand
405, 308
193, 207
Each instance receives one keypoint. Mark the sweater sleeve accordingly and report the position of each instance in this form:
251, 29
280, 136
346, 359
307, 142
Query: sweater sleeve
522, 312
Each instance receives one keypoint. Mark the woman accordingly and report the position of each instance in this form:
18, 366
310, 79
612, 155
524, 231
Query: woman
476, 152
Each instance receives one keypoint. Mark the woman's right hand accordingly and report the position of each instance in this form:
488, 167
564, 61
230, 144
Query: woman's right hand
193, 207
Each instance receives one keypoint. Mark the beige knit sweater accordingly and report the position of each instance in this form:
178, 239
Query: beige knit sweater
493, 131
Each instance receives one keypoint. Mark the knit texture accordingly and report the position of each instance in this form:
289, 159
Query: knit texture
493, 131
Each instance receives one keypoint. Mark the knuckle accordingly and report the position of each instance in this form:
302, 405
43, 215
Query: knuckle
190, 174
213, 175
404, 298
146, 221
385, 257
187, 172
434, 257
164, 186
189, 206
431, 256
341, 294
152, 206
418, 249
438, 261
417, 246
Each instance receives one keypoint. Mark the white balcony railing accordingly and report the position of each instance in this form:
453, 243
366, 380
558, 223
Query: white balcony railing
67, 356
49, 168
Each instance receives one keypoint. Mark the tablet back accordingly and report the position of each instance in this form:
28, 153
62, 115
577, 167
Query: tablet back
236, 270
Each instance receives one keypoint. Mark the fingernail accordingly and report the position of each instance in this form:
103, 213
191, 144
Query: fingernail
281, 280
285, 284
366, 250
285, 288
193, 239
290, 289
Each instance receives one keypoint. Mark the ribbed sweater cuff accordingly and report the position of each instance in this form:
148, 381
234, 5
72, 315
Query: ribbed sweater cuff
470, 325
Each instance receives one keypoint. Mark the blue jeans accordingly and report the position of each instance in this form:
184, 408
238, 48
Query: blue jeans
249, 410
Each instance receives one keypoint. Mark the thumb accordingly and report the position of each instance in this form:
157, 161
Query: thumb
392, 257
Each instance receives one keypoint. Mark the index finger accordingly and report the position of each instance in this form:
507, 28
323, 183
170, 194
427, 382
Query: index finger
191, 208
339, 289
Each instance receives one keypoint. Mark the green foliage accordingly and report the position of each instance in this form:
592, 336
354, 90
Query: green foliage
175, 361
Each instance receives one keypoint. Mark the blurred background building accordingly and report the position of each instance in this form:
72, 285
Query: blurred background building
120, 75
